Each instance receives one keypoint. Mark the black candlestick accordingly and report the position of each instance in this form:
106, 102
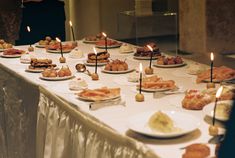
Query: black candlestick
140, 83
211, 70
73, 33
151, 58
106, 47
61, 51
96, 63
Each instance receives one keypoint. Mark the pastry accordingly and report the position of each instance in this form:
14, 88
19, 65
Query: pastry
126, 48
100, 94
13, 51
196, 68
196, 151
162, 60
51, 72
219, 74
102, 57
25, 58
95, 38
76, 53
116, 65
5, 45
161, 122
77, 84
41, 64
145, 52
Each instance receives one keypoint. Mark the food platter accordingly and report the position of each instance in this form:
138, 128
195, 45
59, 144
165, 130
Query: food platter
170, 65
58, 51
10, 56
145, 57
57, 78
221, 116
218, 81
118, 72
89, 42
93, 64
92, 100
139, 124
154, 89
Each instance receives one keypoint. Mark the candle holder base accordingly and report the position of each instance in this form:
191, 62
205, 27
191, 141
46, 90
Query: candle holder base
148, 71
210, 85
213, 130
62, 60
94, 76
30, 49
139, 97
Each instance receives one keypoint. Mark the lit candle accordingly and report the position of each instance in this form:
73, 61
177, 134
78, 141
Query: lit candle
106, 47
151, 57
71, 26
212, 59
61, 51
141, 69
95, 59
218, 94
29, 30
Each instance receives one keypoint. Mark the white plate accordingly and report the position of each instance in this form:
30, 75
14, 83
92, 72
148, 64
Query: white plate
144, 58
89, 42
40, 46
154, 89
186, 122
56, 78
118, 72
93, 64
209, 109
170, 65
11, 56
217, 81
58, 51
126, 52
92, 100
112, 46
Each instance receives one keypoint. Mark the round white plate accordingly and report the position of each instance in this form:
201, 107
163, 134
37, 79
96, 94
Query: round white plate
209, 109
184, 121
170, 66
11, 56
92, 100
112, 46
34, 70
58, 51
153, 89
89, 42
56, 78
118, 72
218, 81
40, 46
93, 64
144, 58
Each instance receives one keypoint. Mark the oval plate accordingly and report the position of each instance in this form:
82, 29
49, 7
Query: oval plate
57, 78
171, 65
184, 121
118, 72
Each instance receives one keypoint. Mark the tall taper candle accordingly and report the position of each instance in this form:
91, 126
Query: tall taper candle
71, 26
95, 59
212, 59
151, 56
141, 69
61, 51
106, 47
218, 93
29, 30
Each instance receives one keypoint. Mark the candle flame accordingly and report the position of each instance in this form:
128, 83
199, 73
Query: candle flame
141, 67
28, 28
219, 91
212, 56
95, 51
57, 39
150, 48
104, 34
70, 23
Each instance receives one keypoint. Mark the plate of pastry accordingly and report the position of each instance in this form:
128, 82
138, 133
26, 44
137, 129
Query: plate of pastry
163, 124
143, 53
102, 59
169, 62
223, 110
93, 39
4, 45
51, 74
110, 44
39, 65
45, 42
99, 94
117, 67
12, 53
156, 84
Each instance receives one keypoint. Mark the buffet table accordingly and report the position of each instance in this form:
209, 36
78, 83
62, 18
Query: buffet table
41, 118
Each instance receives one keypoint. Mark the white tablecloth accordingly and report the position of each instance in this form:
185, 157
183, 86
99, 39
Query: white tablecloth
105, 133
